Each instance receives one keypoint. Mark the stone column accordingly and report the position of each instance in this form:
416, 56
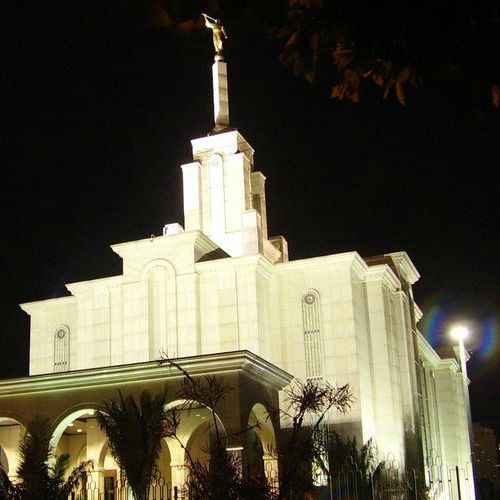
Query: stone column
237, 451
271, 471
179, 475
95, 481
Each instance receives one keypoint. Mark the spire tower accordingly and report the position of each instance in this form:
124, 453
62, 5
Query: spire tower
224, 197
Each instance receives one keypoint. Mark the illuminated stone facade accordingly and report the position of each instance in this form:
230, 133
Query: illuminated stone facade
220, 284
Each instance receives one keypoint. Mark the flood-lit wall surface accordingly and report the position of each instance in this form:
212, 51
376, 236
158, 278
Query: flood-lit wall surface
222, 284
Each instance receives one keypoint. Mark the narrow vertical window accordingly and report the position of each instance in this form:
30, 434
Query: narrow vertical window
313, 340
313, 343
157, 285
61, 349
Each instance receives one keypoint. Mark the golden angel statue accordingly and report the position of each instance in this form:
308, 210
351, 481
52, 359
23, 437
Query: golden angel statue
219, 35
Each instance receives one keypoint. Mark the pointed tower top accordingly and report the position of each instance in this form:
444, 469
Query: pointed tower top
219, 75
224, 197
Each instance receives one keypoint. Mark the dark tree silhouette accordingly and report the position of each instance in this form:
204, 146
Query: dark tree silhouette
40, 475
135, 432
222, 476
393, 45
303, 445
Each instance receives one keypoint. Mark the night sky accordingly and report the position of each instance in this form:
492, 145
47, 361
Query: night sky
98, 111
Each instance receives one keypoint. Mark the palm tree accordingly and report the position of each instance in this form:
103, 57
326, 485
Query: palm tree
302, 445
135, 432
37, 478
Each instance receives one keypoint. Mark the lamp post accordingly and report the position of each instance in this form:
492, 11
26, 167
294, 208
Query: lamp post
460, 333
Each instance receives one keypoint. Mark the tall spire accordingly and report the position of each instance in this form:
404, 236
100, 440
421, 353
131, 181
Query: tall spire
219, 75
224, 197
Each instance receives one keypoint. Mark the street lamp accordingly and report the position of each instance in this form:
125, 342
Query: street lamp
460, 333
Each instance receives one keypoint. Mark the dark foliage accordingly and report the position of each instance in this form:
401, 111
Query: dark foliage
40, 473
344, 454
135, 432
350, 465
303, 446
393, 45
222, 476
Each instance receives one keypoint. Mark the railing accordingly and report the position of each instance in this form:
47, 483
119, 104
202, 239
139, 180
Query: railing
387, 482
160, 489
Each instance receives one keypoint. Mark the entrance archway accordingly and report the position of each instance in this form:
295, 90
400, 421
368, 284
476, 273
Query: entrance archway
200, 442
11, 434
108, 476
262, 454
78, 434
196, 430
76, 422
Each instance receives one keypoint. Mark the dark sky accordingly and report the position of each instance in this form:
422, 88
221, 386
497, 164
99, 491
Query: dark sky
98, 112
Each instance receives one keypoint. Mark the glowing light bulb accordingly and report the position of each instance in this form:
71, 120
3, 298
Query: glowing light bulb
459, 332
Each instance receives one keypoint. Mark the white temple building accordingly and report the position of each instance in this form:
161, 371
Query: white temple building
220, 294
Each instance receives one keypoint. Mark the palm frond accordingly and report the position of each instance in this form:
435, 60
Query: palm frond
34, 452
36, 478
135, 432
77, 476
58, 470
7, 487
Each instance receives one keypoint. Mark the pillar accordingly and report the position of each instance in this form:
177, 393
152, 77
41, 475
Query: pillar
221, 97
271, 470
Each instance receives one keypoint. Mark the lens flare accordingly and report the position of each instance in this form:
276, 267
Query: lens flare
433, 323
489, 338
440, 316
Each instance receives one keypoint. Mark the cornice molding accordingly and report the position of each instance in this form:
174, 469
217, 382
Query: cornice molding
225, 143
427, 351
383, 273
359, 265
196, 238
32, 307
403, 261
82, 286
258, 262
346, 258
245, 362
418, 312
447, 365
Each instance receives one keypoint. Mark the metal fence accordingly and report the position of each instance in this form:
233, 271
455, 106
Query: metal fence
387, 482
160, 489
348, 484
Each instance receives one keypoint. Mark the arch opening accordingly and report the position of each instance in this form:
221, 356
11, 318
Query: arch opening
261, 448
198, 429
11, 434
78, 435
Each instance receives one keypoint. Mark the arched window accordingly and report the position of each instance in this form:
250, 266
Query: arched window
313, 339
158, 327
61, 349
